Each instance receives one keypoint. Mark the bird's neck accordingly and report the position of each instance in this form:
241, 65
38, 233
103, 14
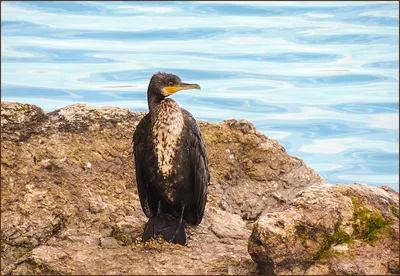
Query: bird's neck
153, 99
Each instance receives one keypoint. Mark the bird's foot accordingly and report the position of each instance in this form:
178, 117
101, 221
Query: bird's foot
166, 226
173, 231
175, 234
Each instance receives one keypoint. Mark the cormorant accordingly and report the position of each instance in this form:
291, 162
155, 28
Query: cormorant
171, 163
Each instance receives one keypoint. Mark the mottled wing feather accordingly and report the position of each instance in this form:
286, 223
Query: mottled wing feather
139, 150
198, 165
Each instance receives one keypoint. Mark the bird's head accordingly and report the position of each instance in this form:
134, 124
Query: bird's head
165, 84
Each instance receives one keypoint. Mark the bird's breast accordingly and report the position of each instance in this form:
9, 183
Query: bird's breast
168, 123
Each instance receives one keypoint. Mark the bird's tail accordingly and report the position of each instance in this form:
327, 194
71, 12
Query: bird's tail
165, 225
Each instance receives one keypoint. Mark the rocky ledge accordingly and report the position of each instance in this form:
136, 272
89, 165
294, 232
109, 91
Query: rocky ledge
70, 205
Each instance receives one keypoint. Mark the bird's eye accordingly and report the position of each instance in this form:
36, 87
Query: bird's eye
170, 83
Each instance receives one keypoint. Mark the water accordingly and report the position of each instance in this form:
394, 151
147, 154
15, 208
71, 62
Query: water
321, 77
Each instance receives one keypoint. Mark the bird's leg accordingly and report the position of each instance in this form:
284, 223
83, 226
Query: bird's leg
152, 225
155, 220
178, 225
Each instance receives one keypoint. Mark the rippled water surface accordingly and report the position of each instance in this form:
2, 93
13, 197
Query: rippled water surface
321, 77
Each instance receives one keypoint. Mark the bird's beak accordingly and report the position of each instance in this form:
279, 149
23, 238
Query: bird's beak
187, 86
182, 86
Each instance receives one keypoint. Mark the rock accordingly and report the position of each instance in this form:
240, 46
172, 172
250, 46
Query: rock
129, 230
249, 172
70, 203
330, 229
227, 225
19, 121
109, 242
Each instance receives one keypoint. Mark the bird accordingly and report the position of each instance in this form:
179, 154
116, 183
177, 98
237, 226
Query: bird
172, 169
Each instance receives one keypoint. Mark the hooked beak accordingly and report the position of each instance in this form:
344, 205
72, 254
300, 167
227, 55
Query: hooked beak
187, 86
181, 86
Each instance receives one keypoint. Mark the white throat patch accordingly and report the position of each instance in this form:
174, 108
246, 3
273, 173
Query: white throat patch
167, 128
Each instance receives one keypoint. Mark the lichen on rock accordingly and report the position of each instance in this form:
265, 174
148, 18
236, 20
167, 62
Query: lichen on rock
330, 229
70, 204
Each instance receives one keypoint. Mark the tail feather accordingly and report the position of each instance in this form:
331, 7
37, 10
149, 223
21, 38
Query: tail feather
165, 226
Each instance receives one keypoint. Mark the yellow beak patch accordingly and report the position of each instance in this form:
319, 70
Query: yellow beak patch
171, 89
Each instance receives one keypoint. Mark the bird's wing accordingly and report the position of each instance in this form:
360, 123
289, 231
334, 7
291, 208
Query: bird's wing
139, 150
198, 166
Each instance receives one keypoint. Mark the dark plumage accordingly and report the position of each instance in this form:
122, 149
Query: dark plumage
171, 163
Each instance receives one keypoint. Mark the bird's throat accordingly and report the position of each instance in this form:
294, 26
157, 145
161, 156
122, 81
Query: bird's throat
168, 124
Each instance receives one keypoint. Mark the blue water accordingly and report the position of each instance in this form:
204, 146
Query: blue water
320, 77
